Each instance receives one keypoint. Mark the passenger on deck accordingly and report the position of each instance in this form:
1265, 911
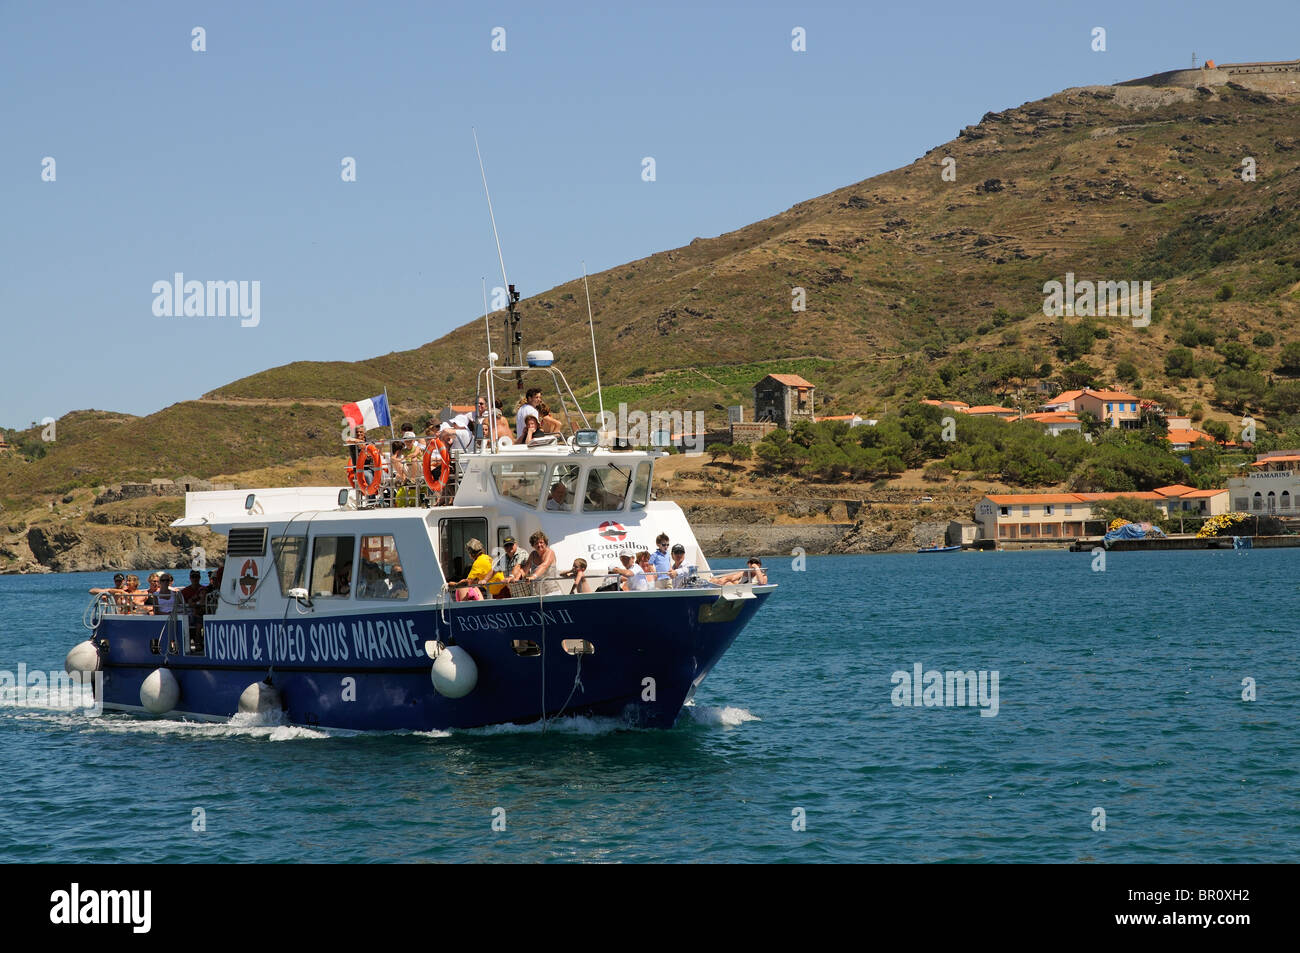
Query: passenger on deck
579, 576
659, 558
532, 429
512, 560
482, 577
397, 461
644, 576
193, 593
548, 423
626, 568
678, 571
134, 599
527, 408
118, 579
754, 575
540, 565
167, 600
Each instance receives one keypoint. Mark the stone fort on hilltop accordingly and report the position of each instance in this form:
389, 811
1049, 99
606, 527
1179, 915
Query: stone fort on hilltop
1281, 77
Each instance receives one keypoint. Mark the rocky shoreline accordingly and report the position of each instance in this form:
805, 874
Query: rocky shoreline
108, 533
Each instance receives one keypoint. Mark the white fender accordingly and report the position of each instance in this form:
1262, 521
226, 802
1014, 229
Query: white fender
83, 658
259, 697
454, 672
160, 691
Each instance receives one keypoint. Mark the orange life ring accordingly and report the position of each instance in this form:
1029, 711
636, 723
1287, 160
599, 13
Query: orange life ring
352, 475
371, 453
444, 466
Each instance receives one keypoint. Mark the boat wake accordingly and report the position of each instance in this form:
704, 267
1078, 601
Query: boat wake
728, 716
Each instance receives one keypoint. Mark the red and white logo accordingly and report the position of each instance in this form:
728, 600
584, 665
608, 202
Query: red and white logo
248, 577
614, 532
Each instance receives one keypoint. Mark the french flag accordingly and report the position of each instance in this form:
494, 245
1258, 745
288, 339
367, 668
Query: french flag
369, 413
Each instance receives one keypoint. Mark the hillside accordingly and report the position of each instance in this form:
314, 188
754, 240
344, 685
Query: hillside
915, 286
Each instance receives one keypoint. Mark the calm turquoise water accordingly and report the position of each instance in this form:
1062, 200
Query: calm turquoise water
1118, 690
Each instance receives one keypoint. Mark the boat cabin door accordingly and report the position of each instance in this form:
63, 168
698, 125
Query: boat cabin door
453, 534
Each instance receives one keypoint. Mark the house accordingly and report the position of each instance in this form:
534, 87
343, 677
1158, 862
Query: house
1270, 485
1056, 423
1112, 407
1008, 516
1182, 440
962, 533
783, 399
948, 404
988, 410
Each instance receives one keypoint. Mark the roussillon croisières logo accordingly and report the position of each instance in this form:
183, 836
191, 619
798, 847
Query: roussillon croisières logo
614, 532
248, 577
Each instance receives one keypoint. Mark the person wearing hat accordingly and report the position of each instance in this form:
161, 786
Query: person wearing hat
481, 576
512, 560
626, 568
678, 571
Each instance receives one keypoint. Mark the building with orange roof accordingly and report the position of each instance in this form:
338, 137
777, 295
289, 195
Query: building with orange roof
784, 399
1114, 408
1270, 485
950, 404
989, 410
1037, 516
1056, 422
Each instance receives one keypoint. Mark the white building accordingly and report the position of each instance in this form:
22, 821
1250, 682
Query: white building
1271, 486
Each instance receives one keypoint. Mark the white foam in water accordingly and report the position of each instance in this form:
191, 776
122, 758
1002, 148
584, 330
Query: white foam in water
568, 724
728, 716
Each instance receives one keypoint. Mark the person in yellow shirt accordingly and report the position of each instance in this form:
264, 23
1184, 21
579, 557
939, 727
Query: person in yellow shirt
481, 576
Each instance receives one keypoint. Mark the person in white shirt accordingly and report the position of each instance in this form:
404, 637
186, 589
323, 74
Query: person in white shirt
558, 498
679, 572
644, 576
532, 397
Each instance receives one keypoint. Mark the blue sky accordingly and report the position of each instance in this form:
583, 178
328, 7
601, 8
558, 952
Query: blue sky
225, 164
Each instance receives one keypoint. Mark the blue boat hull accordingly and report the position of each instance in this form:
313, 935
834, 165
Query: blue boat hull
370, 672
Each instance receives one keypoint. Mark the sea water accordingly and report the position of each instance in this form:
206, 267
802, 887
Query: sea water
1147, 712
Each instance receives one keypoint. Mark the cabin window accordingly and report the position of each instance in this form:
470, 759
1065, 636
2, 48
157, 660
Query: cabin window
641, 486
607, 488
562, 489
519, 481
290, 553
331, 567
381, 570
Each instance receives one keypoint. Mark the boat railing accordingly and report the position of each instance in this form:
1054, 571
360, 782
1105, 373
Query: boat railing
562, 586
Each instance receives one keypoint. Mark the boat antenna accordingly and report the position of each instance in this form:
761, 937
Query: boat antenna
591, 323
514, 339
489, 426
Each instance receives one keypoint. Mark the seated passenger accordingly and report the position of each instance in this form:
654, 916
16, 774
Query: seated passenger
532, 428
482, 578
644, 576
754, 575
579, 576
548, 423
558, 498
343, 580
167, 600
132, 598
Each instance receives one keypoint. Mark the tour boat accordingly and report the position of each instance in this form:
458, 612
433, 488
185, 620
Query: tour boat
335, 609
